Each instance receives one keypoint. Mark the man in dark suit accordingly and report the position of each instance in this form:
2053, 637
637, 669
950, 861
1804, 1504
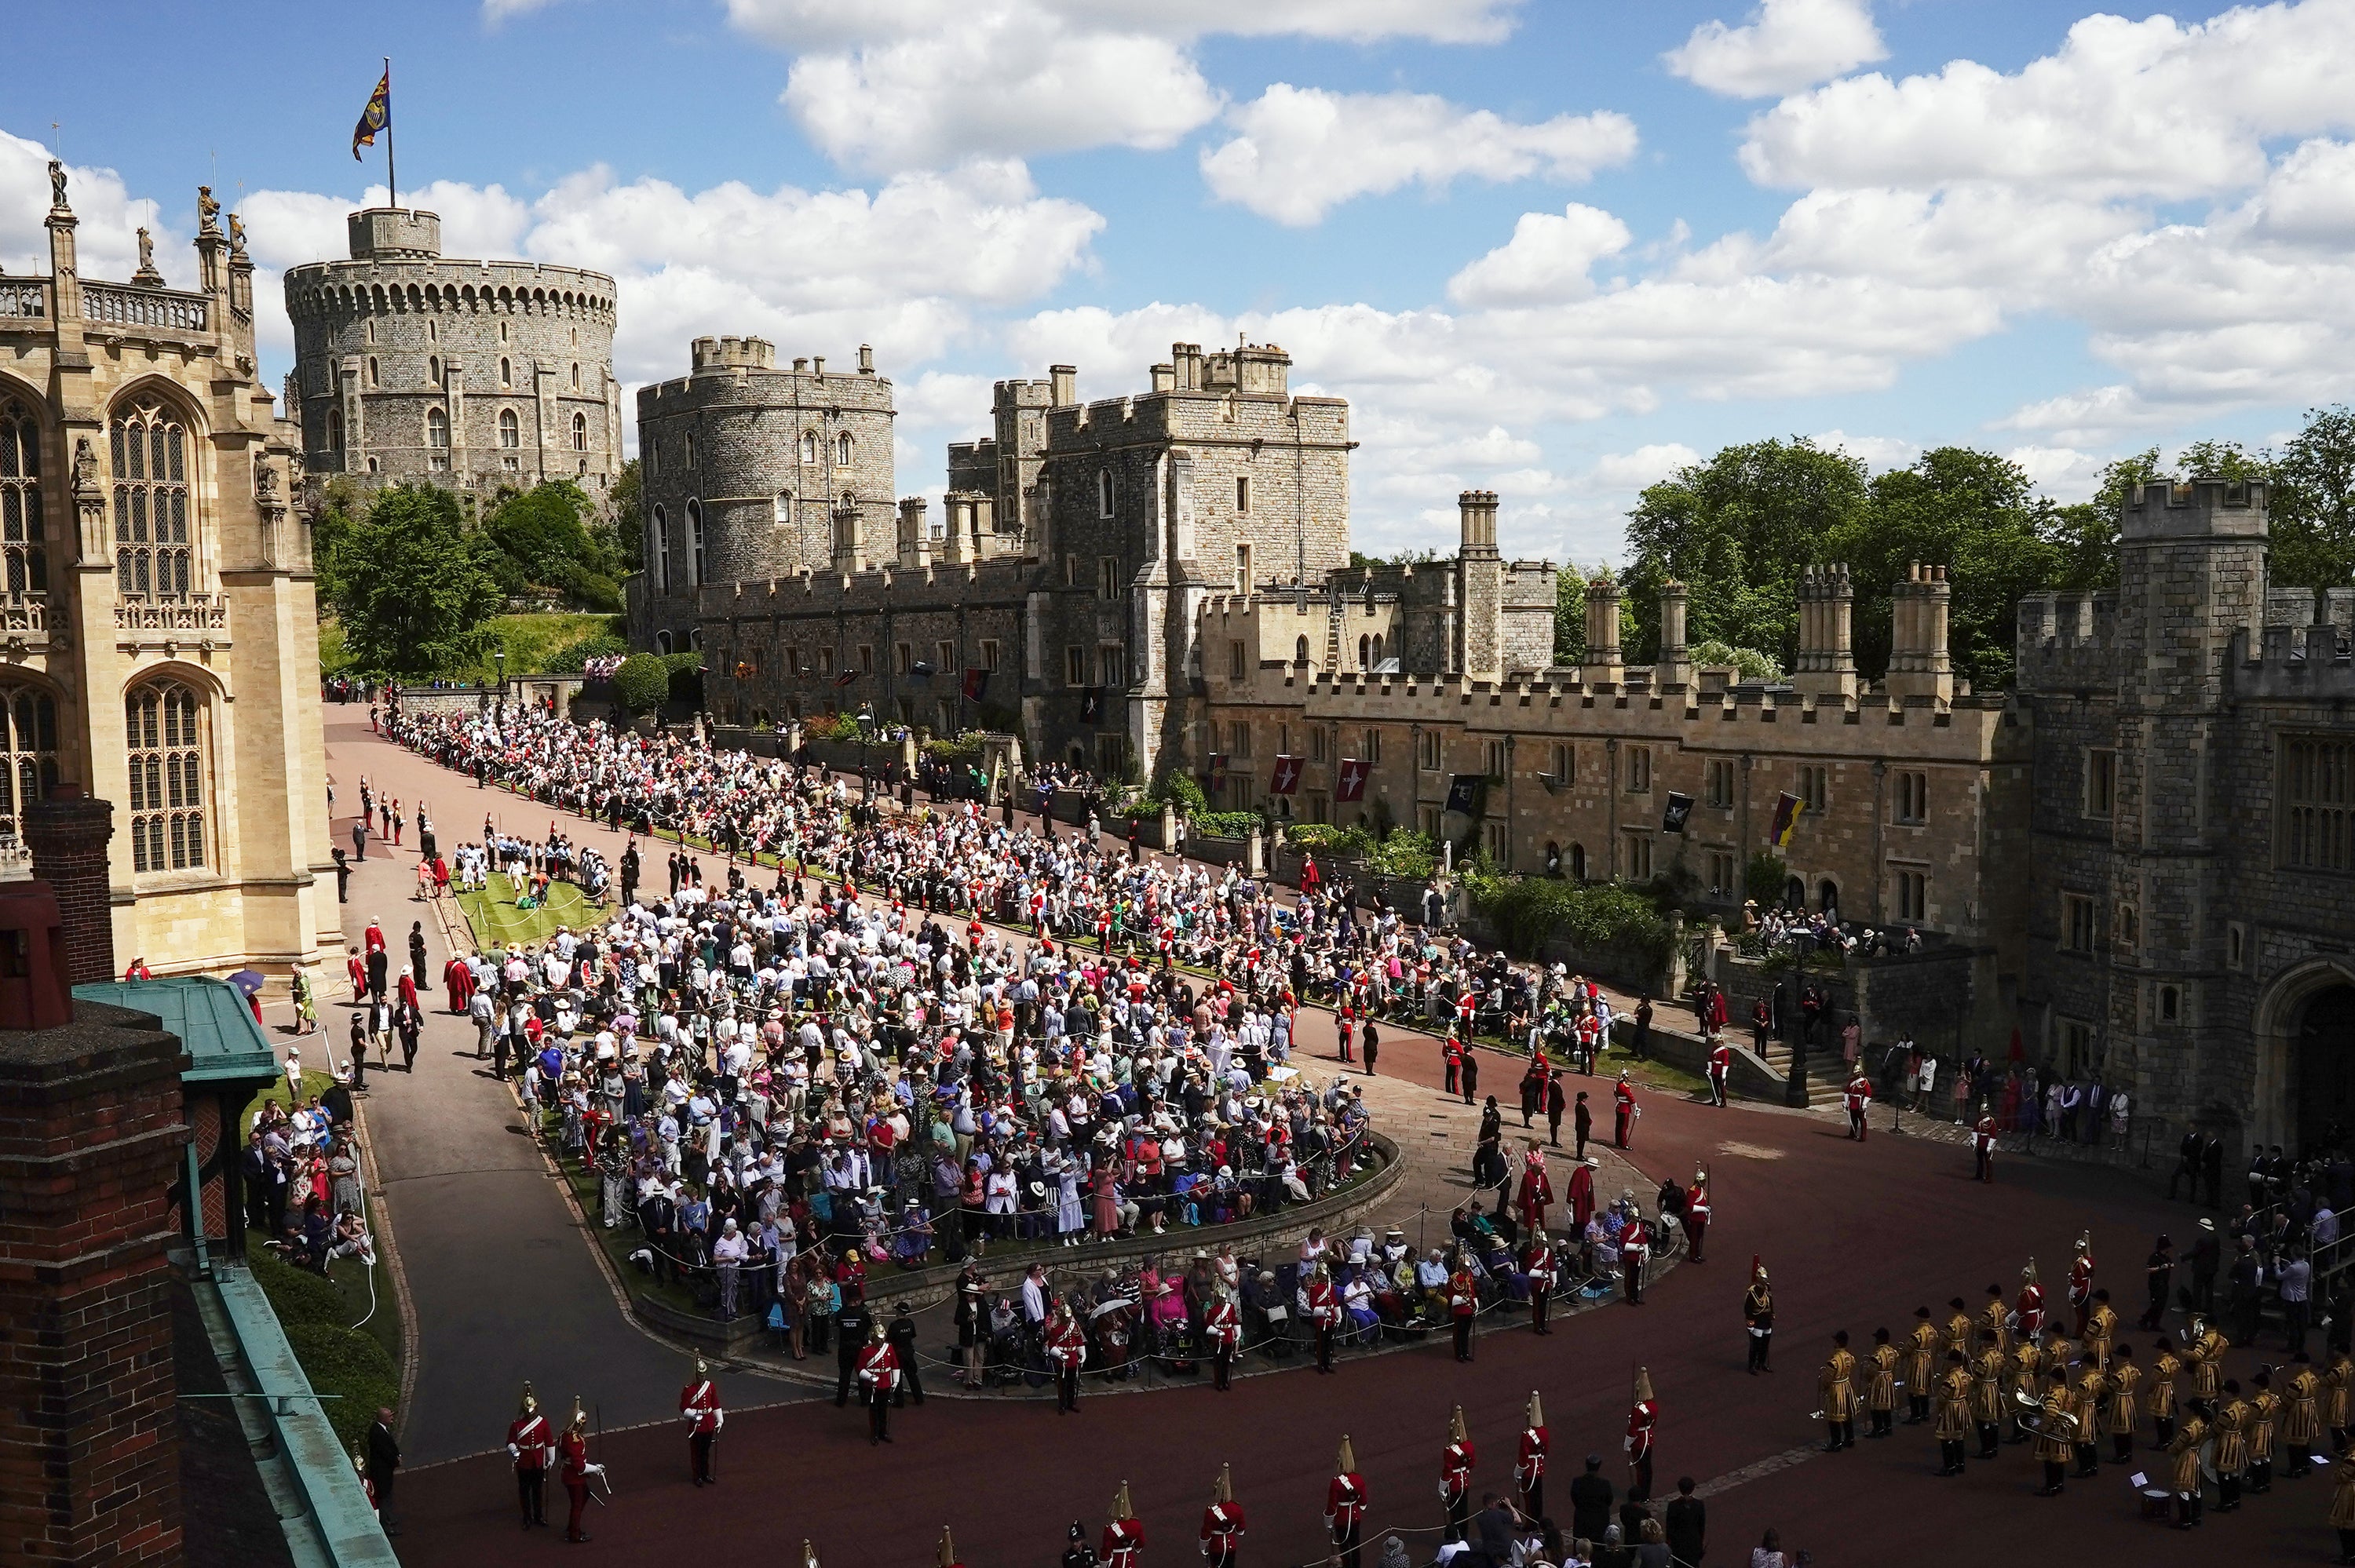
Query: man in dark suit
383, 1464
1686, 1523
1589, 1502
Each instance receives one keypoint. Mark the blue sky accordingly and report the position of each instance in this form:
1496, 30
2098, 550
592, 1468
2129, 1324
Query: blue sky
1545, 245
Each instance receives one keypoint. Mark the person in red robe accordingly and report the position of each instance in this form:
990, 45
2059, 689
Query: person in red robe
1582, 1192
1536, 1188
458, 980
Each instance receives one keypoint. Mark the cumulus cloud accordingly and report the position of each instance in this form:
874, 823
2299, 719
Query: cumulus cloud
1646, 465
1300, 152
902, 84
1784, 46
1547, 260
1877, 453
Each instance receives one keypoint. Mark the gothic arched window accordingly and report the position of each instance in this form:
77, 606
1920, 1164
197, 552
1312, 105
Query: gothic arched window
842, 450
334, 429
22, 537
660, 530
1105, 494
809, 446
28, 734
580, 432
437, 428
153, 550
164, 726
510, 429
694, 542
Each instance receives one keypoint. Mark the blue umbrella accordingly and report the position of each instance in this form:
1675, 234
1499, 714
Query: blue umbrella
249, 981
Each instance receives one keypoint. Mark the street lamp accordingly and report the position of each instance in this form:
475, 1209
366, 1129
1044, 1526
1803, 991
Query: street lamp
1795, 1088
499, 657
866, 734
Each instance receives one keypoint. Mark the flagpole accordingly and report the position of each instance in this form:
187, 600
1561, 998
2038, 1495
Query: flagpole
391, 182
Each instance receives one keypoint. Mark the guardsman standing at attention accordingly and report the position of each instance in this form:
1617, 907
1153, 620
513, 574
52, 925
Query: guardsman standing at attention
2301, 1421
1344, 1507
1456, 1463
1758, 1316
698, 1405
1225, 1325
2205, 1357
1835, 1386
1622, 1099
2183, 1449
1954, 1414
572, 1461
530, 1440
1642, 1416
2091, 1386
1634, 1253
1880, 1384
2029, 1309
2165, 1368
1124, 1537
1983, 1148
1987, 1394
1859, 1096
879, 1374
1462, 1300
2080, 1282
1530, 1465
1222, 1521
947, 1554
2342, 1504
1537, 1262
1921, 1356
2264, 1420
1720, 1067
2125, 1413
1324, 1315
1697, 1213
2231, 1447
2101, 1330
1067, 1347
2055, 1421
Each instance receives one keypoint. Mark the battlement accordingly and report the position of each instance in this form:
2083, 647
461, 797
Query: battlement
2305, 652
733, 353
392, 233
935, 585
2202, 508
2066, 640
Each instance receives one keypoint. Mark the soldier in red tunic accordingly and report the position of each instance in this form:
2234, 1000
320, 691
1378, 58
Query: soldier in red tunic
1222, 1523
1123, 1538
1537, 1263
1720, 1067
572, 1458
1536, 1188
1860, 1101
2027, 1310
1623, 1096
1344, 1505
1463, 1301
1456, 1475
1529, 1465
1983, 1148
1324, 1314
1642, 1415
1224, 1325
530, 1440
878, 1375
700, 1407
1067, 1348
2080, 1282
1697, 1213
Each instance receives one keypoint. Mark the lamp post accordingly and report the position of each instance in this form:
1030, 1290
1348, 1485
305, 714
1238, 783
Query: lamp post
1795, 1088
499, 657
866, 734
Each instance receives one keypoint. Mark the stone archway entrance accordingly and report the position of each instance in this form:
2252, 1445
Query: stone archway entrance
2322, 1069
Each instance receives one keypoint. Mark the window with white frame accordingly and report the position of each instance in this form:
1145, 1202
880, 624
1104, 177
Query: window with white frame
165, 737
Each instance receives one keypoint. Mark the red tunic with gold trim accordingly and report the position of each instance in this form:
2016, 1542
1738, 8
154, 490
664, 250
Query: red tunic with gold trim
1530, 1467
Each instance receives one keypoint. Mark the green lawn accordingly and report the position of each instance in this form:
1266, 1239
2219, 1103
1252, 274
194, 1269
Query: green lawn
495, 921
344, 1329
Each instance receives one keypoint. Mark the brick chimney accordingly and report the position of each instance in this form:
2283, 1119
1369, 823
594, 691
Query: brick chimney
1674, 667
68, 835
1920, 666
91, 1134
1827, 655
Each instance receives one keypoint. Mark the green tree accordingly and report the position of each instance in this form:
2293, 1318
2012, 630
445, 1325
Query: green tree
626, 525
641, 682
410, 584
2313, 502
1736, 529
1752, 664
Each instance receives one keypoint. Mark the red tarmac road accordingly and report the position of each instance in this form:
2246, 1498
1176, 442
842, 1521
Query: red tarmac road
1854, 1238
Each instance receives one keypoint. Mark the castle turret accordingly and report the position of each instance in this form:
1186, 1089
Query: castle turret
1920, 606
1481, 583
1827, 651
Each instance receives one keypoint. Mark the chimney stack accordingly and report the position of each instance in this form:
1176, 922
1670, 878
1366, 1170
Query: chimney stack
1674, 667
865, 359
915, 536
1604, 667
1062, 386
68, 835
1827, 656
1919, 611
1477, 514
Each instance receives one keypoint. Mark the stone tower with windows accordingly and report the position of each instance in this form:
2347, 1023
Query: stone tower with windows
160, 738
412, 365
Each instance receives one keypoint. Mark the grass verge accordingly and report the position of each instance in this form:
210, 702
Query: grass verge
491, 913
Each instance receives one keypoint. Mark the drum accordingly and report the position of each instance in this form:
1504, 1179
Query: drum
2156, 1502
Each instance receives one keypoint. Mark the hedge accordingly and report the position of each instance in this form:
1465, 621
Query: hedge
641, 682
1226, 824
1529, 912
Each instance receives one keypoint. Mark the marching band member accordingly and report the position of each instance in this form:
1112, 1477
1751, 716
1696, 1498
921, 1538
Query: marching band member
1344, 1505
1124, 1537
2204, 1355
1642, 1415
1954, 1414
530, 1441
1530, 1465
2125, 1381
1995, 1316
2301, 1425
2336, 1380
1920, 1350
1067, 1347
1986, 1392
1835, 1386
2056, 1419
877, 1374
1222, 1521
2101, 1330
698, 1405
2264, 1420
2190, 1506
2164, 1370
1880, 1384
2093, 1385
2231, 1447
1456, 1463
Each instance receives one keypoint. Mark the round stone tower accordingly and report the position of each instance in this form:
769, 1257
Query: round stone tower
752, 470
412, 365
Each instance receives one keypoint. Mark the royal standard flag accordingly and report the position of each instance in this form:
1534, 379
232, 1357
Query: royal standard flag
1787, 820
376, 116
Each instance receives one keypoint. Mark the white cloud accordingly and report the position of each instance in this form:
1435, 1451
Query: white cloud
2063, 473
1547, 260
2127, 108
107, 242
1300, 152
1646, 465
497, 11
1787, 45
899, 84
1879, 453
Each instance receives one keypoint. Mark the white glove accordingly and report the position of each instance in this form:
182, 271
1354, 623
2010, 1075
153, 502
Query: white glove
719, 1419
514, 1452
1628, 1443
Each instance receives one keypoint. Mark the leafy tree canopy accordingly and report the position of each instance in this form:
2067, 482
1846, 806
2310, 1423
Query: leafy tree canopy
410, 584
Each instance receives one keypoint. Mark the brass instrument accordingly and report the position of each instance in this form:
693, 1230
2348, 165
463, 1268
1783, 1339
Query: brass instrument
2029, 1415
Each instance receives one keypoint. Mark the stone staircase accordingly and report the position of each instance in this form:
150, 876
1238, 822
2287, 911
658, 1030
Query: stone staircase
1824, 1078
